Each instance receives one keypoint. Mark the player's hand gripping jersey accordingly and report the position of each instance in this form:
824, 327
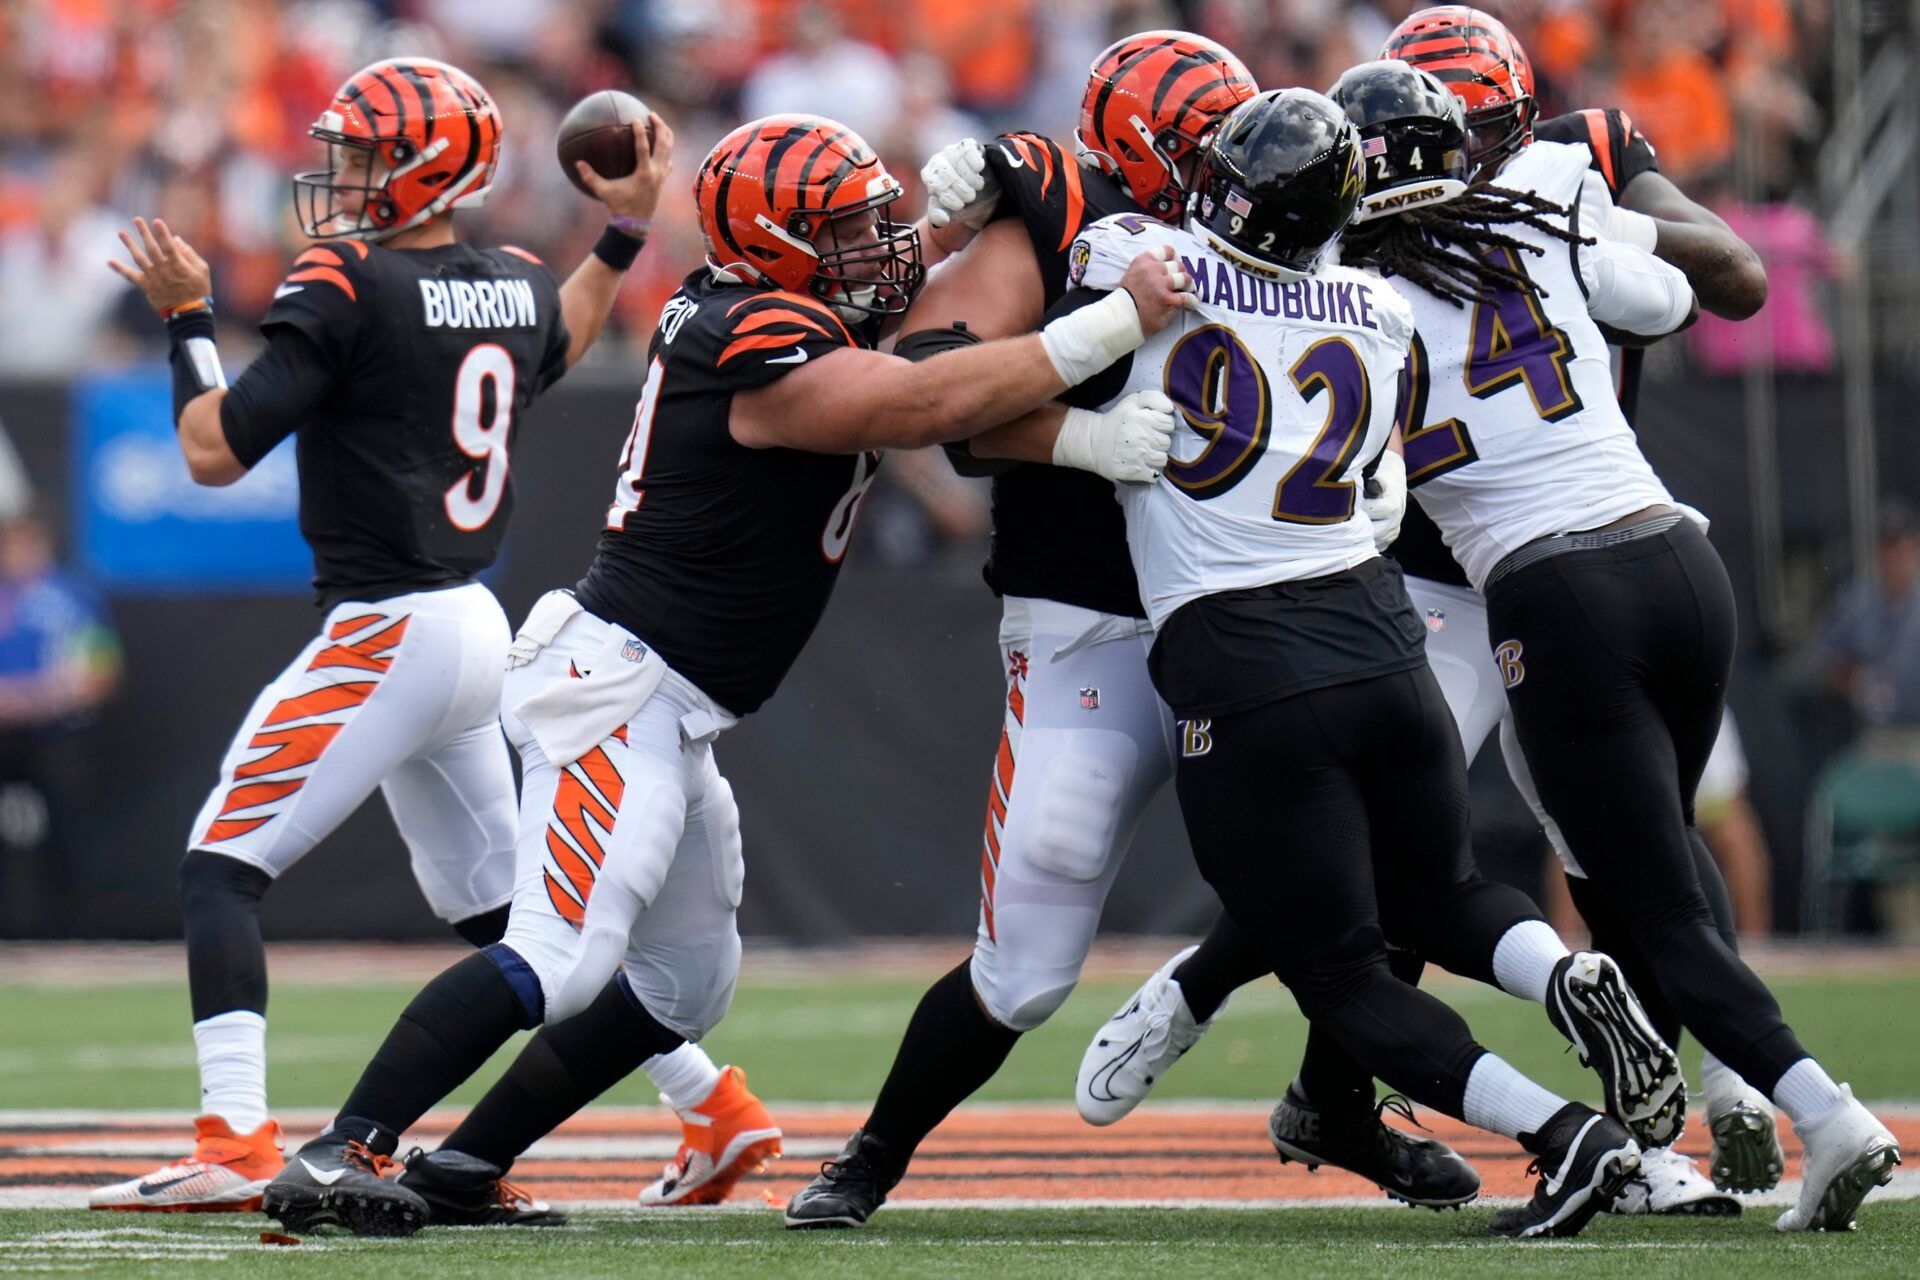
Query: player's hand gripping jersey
1285, 391
1057, 533
422, 361
720, 556
1512, 427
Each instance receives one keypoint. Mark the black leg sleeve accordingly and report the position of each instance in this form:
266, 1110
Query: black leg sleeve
1220, 966
447, 1033
1330, 1078
220, 908
951, 1048
562, 1069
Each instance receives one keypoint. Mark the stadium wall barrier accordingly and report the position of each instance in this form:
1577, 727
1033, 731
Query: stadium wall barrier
862, 785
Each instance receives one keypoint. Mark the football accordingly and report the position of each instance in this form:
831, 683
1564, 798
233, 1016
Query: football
597, 131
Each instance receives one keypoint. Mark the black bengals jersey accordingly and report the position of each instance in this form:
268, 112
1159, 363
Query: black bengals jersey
428, 357
1058, 534
720, 556
1620, 154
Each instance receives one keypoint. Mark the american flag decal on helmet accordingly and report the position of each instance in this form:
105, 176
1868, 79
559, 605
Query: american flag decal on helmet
1237, 203
1373, 147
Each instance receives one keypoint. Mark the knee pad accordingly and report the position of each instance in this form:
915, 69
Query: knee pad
687, 989
1017, 992
1074, 823
721, 816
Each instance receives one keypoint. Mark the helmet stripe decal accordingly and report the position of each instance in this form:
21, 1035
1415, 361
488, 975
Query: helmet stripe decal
1181, 71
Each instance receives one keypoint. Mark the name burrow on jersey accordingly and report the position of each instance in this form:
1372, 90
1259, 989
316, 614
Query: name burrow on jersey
478, 304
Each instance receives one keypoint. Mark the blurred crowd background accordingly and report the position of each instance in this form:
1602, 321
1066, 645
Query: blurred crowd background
1795, 119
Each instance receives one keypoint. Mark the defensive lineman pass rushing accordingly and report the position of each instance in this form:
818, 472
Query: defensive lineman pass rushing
403, 359
1613, 614
1488, 71
1318, 763
755, 440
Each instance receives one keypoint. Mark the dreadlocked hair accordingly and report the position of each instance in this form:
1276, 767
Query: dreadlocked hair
1411, 244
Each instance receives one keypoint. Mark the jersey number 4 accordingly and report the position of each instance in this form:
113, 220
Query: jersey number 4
1222, 393
1512, 343
481, 436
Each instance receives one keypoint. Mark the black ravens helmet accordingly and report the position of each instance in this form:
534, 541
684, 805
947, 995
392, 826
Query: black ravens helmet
1279, 183
1413, 136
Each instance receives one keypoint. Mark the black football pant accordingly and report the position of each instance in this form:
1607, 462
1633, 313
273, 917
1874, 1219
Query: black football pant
1616, 662
1335, 818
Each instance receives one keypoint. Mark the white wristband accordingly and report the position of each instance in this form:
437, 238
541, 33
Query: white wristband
1632, 227
1086, 341
1073, 447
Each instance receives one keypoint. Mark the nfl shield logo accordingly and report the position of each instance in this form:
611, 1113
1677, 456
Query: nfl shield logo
633, 651
1090, 699
1436, 620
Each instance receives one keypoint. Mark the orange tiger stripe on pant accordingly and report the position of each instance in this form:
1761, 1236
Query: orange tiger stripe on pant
1000, 790
587, 797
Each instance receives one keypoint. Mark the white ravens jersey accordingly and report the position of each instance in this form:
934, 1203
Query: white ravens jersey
1285, 392
1512, 428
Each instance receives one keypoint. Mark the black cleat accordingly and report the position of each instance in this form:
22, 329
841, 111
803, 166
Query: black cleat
848, 1189
1584, 1160
337, 1180
1591, 1003
1419, 1171
465, 1191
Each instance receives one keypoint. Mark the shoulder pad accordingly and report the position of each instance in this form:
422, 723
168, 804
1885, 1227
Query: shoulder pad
335, 264
753, 340
1041, 184
1103, 249
1550, 170
1621, 152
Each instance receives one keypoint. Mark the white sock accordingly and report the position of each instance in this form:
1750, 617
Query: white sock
1501, 1100
1721, 1086
1807, 1092
685, 1078
233, 1068
1524, 958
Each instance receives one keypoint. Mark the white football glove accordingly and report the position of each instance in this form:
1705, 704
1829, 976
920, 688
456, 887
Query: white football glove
1385, 499
959, 186
1127, 443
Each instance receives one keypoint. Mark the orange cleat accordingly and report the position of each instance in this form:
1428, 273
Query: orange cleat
225, 1174
725, 1138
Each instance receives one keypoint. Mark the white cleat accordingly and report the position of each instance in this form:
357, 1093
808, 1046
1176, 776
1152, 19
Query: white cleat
1669, 1182
1849, 1153
226, 1173
1136, 1046
1746, 1140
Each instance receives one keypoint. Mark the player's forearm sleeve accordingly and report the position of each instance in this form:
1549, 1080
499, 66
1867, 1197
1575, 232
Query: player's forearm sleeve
274, 395
1633, 291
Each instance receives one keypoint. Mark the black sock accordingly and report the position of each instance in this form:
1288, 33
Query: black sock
484, 929
1223, 964
220, 909
951, 1048
561, 1070
452, 1027
1330, 1077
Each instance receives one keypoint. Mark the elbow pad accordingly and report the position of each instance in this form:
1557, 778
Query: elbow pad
1633, 291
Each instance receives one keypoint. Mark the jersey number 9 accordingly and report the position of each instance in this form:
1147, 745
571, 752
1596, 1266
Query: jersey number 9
1223, 395
481, 436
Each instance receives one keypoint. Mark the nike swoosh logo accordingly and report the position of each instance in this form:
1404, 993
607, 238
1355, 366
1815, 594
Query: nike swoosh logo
286, 289
325, 1179
154, 1188
798, 357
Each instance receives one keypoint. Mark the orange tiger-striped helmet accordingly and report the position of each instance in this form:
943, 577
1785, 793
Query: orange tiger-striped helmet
1152, 101
407, 139
1474, 55
800, 203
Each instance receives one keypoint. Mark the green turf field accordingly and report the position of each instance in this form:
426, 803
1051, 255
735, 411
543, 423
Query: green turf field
1053, 1245
829, 1036
832, 1038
